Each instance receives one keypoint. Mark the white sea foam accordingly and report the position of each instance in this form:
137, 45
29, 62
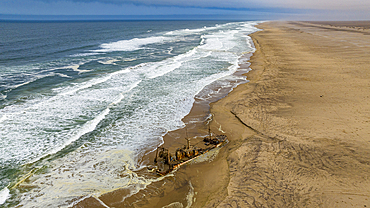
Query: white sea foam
24, 83
2, 97
87, 127
92, 83
63, 75
190, 196
212, 44
75, 67
3, 118
130, 45
250, 42
86, 54
4, 195
191, 31
109, 61
202, 40
58, 113
144, 103
90, 125
82, 86
168, 65
130, 59
174, 205
97, 173
38, 76
74, 100
209, 43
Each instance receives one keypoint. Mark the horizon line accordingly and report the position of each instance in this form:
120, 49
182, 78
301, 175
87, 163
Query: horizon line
31, 17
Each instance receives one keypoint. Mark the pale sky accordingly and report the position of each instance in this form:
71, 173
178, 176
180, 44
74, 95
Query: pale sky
271, 9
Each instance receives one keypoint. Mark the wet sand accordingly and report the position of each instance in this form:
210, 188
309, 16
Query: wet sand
299, 131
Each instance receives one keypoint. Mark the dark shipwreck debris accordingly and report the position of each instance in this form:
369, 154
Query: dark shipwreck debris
166, 162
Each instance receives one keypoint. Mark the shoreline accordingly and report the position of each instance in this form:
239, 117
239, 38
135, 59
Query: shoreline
298, 130
196, 128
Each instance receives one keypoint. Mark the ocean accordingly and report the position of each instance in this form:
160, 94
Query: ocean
82, 102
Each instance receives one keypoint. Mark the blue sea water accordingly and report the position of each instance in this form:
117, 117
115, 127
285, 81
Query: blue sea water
82, 102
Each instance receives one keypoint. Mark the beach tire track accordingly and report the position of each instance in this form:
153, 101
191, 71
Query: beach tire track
268, 172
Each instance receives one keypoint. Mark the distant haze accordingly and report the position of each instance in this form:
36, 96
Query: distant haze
297, 4
260, 9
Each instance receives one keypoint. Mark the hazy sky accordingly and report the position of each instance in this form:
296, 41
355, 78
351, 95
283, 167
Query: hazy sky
334, 9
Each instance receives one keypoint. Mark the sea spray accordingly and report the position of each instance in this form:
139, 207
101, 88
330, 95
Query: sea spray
4, 195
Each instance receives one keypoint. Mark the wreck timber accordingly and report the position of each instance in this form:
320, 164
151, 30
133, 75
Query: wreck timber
166, 162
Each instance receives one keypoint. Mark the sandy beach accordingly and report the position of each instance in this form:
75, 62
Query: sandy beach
299, 131
301, 126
